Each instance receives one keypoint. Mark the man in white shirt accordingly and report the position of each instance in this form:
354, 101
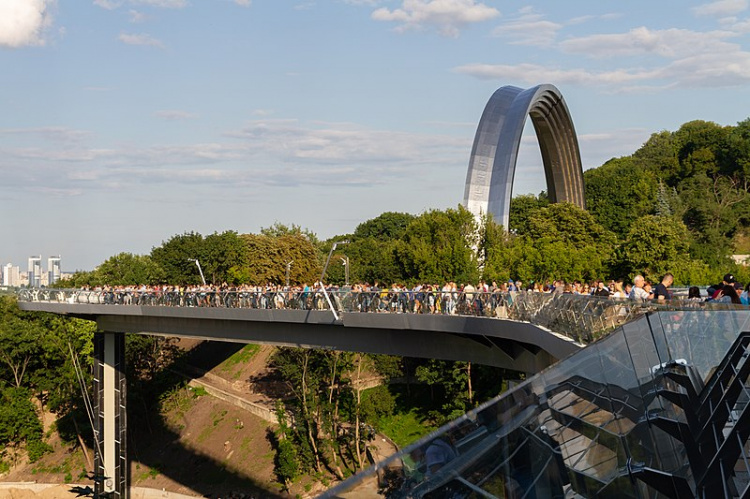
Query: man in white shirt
638, 293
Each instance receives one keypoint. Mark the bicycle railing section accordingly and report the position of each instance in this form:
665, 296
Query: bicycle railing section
579, 317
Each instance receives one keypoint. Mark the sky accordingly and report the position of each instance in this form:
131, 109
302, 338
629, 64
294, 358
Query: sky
126, 122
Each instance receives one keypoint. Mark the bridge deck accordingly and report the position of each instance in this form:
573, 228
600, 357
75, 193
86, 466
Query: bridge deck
503, 343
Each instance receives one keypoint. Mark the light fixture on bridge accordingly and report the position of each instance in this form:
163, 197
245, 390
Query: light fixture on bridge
200, 270
330, 253
345, 263
288, 269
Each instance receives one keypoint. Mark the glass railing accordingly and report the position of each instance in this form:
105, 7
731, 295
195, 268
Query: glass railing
582, 318
623, 417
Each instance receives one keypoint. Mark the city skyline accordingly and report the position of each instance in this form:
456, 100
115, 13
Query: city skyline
129, 121
33, 275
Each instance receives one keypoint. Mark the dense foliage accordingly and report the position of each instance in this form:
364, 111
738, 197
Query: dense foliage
37, 374
696, 181
334, 419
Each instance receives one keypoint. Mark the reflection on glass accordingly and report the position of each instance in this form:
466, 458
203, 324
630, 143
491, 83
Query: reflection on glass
631, 415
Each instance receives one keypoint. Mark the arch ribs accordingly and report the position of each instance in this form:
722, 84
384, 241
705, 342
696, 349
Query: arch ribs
489, 180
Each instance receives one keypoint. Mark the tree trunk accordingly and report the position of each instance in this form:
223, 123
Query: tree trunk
89, 464
306, 412
333, 377
356, 412
468, 375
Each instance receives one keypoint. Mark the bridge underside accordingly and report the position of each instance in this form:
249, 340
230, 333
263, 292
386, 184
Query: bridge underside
519, 346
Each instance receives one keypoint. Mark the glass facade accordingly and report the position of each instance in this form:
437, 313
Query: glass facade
654, 409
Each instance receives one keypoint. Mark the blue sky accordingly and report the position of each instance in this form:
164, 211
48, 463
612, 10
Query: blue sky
124, 122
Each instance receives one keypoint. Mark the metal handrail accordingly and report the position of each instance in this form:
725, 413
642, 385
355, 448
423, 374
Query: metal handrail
582, 318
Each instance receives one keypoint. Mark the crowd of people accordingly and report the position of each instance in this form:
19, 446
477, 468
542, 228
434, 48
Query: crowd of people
450, 298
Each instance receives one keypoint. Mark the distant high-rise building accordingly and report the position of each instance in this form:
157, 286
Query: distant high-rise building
53, 270
35, 271
11, 275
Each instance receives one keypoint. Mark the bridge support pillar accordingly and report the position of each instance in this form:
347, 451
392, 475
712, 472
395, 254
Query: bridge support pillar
110, 424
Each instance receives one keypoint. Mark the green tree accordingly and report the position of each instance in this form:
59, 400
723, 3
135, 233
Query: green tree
454, 380
35, 351
438, 246
387, 226
738, 149
522, 207
716, 210
177, 257
127, 268
570, 224
659, 156
19, 422
657, 245
619, 192
23, 341
279, 230
267, 257
223, 257
370, 260
286, 465
376, 404
562, 241
701, 148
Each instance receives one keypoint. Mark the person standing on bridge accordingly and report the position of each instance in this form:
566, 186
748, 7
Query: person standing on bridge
638, 293
662, 292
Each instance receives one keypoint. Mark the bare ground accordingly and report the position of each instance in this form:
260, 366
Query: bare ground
202, 447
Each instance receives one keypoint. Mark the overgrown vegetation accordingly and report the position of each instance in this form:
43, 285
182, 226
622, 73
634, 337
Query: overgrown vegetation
36, 374
335, 418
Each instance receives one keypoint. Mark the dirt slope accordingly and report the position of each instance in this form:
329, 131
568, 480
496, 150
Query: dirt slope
203, 446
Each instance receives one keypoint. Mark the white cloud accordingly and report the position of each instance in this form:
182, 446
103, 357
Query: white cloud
597, 148
140, 39
581, 19
669, 43
136, 17
339, 142
528, 29
108, 4
174, 115
23, 22
363, 2
447, 16
49, 133
720, 8
701, 70
534, 73
263, 153
693, 59
164, 4
710, 70
244, 3
737, 26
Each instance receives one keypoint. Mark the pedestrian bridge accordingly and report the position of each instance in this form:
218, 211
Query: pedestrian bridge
521, 331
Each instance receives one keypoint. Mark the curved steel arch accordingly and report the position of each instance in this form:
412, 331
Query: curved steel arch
489, 181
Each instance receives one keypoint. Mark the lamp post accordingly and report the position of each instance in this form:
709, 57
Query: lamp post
200, 270
330, 254
322, 286
345, 263
288, 268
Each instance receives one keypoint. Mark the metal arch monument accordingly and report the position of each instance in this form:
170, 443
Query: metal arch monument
489, 180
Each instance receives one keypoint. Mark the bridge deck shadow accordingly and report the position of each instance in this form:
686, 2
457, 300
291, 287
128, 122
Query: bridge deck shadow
154, 443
